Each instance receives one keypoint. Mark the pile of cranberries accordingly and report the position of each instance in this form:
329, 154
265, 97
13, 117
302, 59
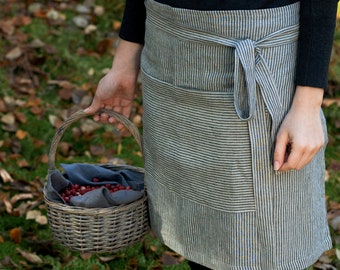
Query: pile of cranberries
78, 190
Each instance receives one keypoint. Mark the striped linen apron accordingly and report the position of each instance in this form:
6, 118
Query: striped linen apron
216, 86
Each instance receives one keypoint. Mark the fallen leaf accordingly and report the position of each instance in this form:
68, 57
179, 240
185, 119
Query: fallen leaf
99, 10
107, 258
2, 240
33, 214
5, 176
168, 258
116, 25
8, 262
21, 117
324, 266
14, 54
21, 196
44, 159
153, 248
325, 259
137, 120
22, 163
29, 256
97, 150
105, 46
81, 21
330, 101
33, 102
37, 110
65, 148
90, 28
15, 235
3, 107
86, 256
20, 20
42, 220
7, 27
334, 166
8, 119
21, 134
89, 126
337, 252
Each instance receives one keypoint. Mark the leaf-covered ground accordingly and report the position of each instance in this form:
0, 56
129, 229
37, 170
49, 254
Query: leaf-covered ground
52, 55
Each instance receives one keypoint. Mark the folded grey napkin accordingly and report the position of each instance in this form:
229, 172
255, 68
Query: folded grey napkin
83, 174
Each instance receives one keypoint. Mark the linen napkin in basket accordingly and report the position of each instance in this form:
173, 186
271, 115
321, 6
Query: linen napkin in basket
83, 174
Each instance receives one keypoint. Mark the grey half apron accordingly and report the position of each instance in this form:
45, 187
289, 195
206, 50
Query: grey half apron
216, 86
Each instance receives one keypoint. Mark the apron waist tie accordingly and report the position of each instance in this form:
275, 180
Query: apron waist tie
251, 68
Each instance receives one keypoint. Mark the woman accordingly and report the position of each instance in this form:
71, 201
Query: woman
234, 134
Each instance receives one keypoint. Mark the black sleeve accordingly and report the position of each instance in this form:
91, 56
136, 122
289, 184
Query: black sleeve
317, 25
133, 24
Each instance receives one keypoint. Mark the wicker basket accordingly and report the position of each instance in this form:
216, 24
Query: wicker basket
97, 230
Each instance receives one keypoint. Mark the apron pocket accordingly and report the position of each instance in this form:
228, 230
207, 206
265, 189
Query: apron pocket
196, 146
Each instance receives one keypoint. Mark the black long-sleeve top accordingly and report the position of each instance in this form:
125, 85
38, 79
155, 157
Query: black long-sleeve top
317, 24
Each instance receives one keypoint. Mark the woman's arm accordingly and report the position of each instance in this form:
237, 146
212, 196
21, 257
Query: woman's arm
116, 89
301, 134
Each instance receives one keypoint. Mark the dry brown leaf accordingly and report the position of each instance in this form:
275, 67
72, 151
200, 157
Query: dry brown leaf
42, 220
153, 248
105, 46
21, 196
29, 256
169, 258
65, 94
8, 205
137, 120
3, 107
7, 27
98, 10
3, 157
33, 214
21, 134
37, 110
22, 20
8, 119
334, 166
104, 160
33, 102
5, 176
15, 235
64, 148
89, 126
14, 54
330, 101
21, 117
37, 216
2, 240
86, 256
116, 25
97, 150
22, 163
44, 159
22, 208
107, 258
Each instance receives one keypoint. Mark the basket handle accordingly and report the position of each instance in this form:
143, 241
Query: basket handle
80, 114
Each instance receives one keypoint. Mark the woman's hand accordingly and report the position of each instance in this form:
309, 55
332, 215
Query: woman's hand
301, 135
116, 89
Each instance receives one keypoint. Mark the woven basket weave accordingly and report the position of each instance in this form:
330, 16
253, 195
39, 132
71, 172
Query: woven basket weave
97, 230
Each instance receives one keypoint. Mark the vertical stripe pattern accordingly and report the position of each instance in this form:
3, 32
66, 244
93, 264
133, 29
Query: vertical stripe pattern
216, 86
